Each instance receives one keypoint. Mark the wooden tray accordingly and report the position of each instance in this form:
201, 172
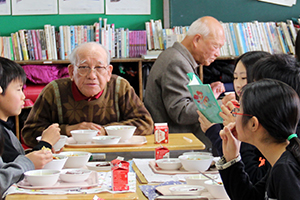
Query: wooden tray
158, 170
92, 181
136, 140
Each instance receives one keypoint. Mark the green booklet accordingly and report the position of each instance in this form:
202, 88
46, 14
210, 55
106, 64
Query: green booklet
204, 98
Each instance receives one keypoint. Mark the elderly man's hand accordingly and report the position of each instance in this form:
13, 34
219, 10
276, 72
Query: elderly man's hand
86, 125
204, 122
217, 88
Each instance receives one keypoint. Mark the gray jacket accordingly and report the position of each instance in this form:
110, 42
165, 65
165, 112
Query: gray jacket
12, 172
167, 97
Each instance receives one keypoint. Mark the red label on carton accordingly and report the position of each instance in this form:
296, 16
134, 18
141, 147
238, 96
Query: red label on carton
120, 175
161, 133
161, 152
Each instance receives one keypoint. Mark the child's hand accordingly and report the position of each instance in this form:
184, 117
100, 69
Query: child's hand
228, 97
40, 158
204, 122
230, 144
51, 134
226, 114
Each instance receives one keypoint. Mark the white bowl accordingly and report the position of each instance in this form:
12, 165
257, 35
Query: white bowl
42, 177
169, 163
57, 163
83, 136
216, 190
99, 166
186, 189
196, 162
123, 131
198, 179
74, 175
59, 144
104, 139
76, 159
197, 153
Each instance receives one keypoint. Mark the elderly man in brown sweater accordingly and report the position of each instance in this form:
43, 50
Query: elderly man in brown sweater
90, 99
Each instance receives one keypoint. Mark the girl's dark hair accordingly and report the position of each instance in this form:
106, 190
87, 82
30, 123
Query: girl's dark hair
249, 59
276, 106
11, 71
281, 67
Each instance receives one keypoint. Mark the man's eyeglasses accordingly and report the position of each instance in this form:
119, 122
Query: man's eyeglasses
85, 70
236, 111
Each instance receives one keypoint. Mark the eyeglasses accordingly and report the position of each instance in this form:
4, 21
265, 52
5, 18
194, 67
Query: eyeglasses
236, 111
85, 70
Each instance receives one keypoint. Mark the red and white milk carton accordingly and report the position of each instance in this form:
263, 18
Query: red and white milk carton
161, 152
120, 171
161, 133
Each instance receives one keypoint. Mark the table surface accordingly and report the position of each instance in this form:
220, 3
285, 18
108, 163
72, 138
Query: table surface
176, 142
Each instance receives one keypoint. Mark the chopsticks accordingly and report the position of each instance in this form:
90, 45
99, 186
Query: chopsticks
209, 177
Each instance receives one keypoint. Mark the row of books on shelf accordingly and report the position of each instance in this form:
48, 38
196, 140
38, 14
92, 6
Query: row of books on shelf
159, 38
273, 37
49, 44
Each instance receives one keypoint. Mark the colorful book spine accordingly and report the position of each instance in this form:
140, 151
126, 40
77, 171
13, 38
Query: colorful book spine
11, 48
72, 39
96, 27
233, 39
76, 35
149, 43
68, 39
85, 34
53, 43
14, 46
23, 44
43, 44
47, 29
62, 44
113, 50
243, 38
30, 45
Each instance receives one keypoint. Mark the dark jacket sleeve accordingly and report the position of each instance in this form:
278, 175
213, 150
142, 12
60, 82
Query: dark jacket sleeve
213, 134
256, 165
238, 185
40, 145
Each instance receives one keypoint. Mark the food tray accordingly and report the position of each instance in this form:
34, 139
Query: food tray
164, 190
92, 181
136, 140
181, 170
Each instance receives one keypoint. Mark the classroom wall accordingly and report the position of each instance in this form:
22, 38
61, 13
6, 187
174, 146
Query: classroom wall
184, 12
9, 24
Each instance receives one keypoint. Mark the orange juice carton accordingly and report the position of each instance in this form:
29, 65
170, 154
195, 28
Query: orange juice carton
161, 133
120, 171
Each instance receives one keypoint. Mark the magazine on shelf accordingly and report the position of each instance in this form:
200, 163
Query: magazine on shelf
204, 98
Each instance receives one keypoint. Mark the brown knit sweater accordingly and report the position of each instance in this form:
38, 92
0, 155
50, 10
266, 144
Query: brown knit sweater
118, 104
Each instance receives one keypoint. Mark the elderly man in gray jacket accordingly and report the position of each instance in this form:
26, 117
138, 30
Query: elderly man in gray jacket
167, 97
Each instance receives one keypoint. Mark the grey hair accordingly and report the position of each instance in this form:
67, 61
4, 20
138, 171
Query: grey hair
199, 26
73, 55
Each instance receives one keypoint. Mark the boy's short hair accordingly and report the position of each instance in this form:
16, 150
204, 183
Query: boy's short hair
11, 71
